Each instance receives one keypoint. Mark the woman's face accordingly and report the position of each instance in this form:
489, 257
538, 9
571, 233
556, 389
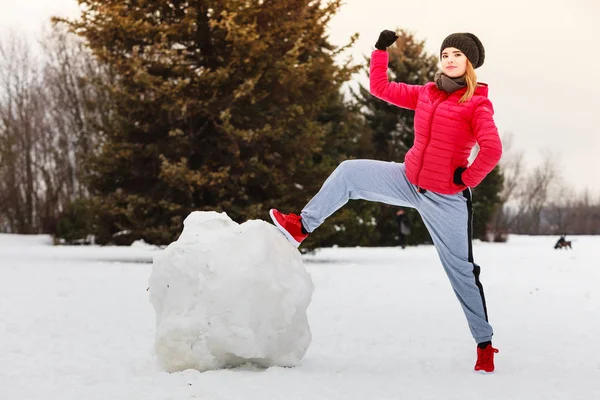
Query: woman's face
454, 62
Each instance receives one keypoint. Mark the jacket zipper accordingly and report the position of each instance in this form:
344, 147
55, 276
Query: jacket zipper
435, 106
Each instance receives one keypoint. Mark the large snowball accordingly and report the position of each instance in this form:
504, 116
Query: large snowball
226, 294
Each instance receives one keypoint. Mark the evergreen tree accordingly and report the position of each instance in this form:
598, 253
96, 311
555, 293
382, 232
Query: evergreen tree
486, 200
352, 225
393, 127
218, 105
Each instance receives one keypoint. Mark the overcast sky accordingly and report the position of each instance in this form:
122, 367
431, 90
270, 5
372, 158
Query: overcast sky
541, 61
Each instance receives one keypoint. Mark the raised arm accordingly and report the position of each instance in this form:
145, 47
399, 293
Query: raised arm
400, 94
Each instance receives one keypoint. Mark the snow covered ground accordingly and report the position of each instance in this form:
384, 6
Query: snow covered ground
76, 323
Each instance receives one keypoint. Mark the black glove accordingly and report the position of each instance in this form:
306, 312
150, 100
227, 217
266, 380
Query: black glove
386, 39
458, 176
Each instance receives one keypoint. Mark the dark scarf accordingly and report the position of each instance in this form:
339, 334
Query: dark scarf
449, 85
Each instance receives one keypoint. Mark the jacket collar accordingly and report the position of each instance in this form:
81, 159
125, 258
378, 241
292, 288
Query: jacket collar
482, 89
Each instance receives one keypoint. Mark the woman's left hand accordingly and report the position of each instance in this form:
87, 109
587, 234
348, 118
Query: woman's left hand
458, 176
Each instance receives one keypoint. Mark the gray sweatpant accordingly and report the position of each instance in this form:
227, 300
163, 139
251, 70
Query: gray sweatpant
447, 218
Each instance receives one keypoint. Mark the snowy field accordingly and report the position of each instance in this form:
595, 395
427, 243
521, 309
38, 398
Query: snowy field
76, 323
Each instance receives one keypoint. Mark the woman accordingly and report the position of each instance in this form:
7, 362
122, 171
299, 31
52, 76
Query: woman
452, 114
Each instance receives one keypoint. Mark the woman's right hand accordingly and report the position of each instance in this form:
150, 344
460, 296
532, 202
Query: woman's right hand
386, 39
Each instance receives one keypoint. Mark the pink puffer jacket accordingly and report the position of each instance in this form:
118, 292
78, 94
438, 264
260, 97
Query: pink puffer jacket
445, 130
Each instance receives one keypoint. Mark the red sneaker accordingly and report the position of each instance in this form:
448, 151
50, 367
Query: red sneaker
289, 225
485, 359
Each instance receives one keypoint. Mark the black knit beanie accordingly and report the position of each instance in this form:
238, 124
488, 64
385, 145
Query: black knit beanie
469, 44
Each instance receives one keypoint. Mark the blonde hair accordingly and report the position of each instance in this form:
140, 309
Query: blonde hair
471, 80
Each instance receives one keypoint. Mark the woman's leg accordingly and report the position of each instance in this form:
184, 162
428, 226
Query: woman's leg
449, 221
371, 180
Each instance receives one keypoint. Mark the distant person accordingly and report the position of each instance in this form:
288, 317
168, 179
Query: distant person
452, 115
403, 227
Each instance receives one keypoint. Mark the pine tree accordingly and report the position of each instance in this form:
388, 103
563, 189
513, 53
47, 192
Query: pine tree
353, 224
486, 200
393, 128
218, 105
